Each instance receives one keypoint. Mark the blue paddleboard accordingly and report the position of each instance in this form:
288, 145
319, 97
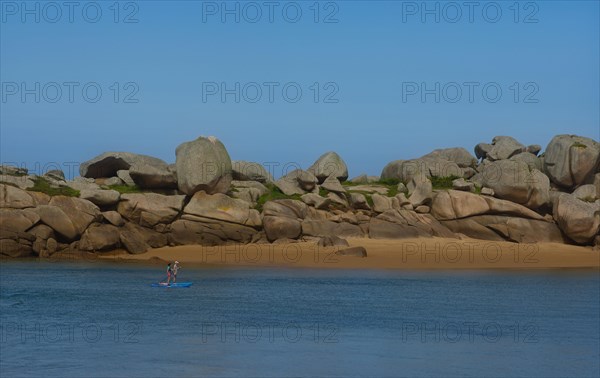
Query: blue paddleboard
177, 284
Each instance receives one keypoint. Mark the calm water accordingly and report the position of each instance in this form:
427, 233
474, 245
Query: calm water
73, 319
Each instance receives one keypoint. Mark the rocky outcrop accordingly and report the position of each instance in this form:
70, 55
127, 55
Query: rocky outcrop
571, 160
22, 182
329, 164
402, 224
15, 198
532, 161
579, 220
124, 176
17, 220
425, 167
454, 204
16, 244
514, 181
504, 147
100, 197
458, 155
56, 218
250, 171
150, 209
100, 237
153, 176
501, 227
81, 212
586, 193
107, 164
209, 232
282, 219
249, 191
364, 179
220, 207
297, 182
203, 164
420, 191
326, 228
113, 218
517, 201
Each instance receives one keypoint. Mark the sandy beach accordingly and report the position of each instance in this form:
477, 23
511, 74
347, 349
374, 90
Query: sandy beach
423, 253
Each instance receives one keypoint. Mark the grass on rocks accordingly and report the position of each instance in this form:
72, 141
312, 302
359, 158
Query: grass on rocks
391, 184
273, 194
126, 189
442, 183
42, 185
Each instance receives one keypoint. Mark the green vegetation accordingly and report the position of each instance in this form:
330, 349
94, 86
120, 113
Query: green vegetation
392, 191
580, 145
369, 199
273, 194
125, 189
388, 182
323, 192
43, 186
442, 183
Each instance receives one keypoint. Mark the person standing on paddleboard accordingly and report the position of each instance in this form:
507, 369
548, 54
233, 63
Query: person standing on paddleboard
175, 269
169, 271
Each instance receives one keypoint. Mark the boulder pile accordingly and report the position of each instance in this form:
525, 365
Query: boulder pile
506, 191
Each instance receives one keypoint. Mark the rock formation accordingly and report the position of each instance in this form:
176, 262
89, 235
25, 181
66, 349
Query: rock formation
136, 202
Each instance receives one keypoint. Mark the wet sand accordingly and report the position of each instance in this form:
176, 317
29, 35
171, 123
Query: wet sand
424, 253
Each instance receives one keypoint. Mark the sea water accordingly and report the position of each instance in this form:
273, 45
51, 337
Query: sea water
103, 319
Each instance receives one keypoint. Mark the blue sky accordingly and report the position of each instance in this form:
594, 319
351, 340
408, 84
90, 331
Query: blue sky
367, 63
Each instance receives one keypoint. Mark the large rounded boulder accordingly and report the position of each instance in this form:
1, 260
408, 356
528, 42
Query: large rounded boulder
457, 155
571, 160
250, 171
203, 164
329, 164
515, 181
579, 220
424, 167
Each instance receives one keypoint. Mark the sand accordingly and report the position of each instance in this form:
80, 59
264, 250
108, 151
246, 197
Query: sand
424, 253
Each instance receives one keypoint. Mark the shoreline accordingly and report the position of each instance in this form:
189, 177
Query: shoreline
383, 254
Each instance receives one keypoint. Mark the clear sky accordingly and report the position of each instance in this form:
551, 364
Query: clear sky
371, 60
